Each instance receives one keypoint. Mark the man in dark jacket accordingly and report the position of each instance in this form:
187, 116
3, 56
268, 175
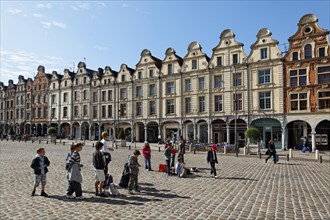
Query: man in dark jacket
212, 159
39, 165
167, 154
99, 166
182, 149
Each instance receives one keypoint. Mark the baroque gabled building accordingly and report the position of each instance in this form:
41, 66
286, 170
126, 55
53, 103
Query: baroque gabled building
10, 107
20, 105
54, 103
307, 85
266, 89
3, 107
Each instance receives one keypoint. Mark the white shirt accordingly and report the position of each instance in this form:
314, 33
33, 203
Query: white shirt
105, 147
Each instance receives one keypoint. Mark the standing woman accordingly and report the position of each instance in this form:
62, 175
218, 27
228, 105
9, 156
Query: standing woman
271, 150
146, 152
182, 149
106, 151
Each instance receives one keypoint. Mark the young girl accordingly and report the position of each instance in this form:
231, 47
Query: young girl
75, 177
212, 159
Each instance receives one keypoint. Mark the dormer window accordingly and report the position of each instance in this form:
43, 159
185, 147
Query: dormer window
151, 73
322, 52
170, 69
139, 76
219, 61
76, 81
94, 83
308, 51
85, 80
194, 64
65, 83
294, 55
235, 58
123, 78
263, 53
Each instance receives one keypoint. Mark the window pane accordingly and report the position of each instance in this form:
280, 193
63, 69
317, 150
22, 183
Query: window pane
308, 51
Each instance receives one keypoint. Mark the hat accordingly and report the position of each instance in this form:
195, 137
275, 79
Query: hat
214, 147
146, 142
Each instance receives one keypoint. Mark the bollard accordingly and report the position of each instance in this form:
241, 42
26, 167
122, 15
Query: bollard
25, 140
224, 150
158, 149
93, 145
72, 143
317, 154
129, 147
32, 141
259, 155
135, 145
46, 142
13, 139
320, 159
116, 146
194, 150
290, 153
39, 141
55, 142
287, 157
7, 139
63, 143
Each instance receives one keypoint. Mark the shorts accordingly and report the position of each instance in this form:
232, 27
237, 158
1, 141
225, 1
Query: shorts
40, 178
99, 175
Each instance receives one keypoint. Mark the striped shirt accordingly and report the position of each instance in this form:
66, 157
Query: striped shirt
75, 158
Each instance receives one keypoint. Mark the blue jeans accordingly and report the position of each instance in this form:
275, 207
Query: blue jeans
172, 161
168, 167
147, 163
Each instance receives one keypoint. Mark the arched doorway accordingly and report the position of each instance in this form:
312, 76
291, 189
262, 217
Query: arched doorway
85, 131
27, 129
322, 136
152, 132
139, 132
21, 128
202, 131
54, 125
44, 129
39, 129
219, 128
297, 130
95, 129
76, 130
34, 129
269, 128
171, 130
188, 128
65, 130
241, 127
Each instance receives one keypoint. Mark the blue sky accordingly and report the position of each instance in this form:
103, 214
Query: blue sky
59, 34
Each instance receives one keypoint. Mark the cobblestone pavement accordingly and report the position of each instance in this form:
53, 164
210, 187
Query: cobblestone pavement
247, 188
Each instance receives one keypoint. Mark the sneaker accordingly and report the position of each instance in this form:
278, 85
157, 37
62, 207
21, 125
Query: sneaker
102, 194
215, 176
44, 194
70, 196
130, 192
80, 197
33, 193
96, 193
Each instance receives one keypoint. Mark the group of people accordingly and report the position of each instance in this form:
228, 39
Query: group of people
101, 160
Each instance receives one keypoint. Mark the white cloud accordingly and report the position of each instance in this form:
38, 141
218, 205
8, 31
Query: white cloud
47, 6
98, 47
81, 6
15, 63
49, 24
101, 3
14, 11
125, 5
37, 15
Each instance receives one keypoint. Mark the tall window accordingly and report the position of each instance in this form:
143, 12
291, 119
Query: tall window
235, 58
76, 81
139, 91
201, 101
53, 112
187, 85
194, 64
53, 85
152, 108
85, 109
321, 52
104, 94
22, 100
139, 76
170, 106
201, 83
298, 101
238, 101
39, 99
218, 82
94, 111
170, 87
264, 100
218, 103
123, 78
219, 61
94, 96
109, 111
109, 95
45, 112
27, 116
22, 113
188, 105
53, 98
39, 113
75, 96
17, 113
151, 73
294, 55
138, 109
263, 53
308, 51
104, 112
298, 77
85, 95
152, 90
323, 74
65, 83
122, 110
65, 97
170, 69
85, 80
45, 98
264, 76
76, 111
237, 81
324, 100
65, 112
123, 94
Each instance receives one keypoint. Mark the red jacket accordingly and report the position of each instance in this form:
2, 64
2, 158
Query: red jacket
146, 151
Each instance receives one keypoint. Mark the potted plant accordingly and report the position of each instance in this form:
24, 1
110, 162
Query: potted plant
121, 136
253, 134
52, 133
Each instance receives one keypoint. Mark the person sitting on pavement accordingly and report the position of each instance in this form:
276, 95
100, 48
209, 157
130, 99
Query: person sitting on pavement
146, 152
180, 168
133, 165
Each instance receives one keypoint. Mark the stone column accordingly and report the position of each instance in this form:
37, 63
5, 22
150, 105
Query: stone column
195, 131
283, 137
209, 131
313, 140
145, 132
228, 133
132, 133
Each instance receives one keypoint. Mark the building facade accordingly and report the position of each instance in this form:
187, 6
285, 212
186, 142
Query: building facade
204, 99
307, 85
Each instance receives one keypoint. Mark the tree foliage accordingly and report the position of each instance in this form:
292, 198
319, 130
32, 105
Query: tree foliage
252, 133
52, 130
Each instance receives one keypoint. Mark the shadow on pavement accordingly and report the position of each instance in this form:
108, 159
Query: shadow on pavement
236, 178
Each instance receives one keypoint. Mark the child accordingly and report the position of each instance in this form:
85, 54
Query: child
146, 152
180, 168
212, 159
167, 154
39, 165
99, 165
134, 171
75, 177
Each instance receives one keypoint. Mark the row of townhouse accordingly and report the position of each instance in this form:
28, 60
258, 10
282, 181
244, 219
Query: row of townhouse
209, 99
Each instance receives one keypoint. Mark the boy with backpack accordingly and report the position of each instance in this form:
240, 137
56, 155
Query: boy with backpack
39, 165
133, 165
99, 166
